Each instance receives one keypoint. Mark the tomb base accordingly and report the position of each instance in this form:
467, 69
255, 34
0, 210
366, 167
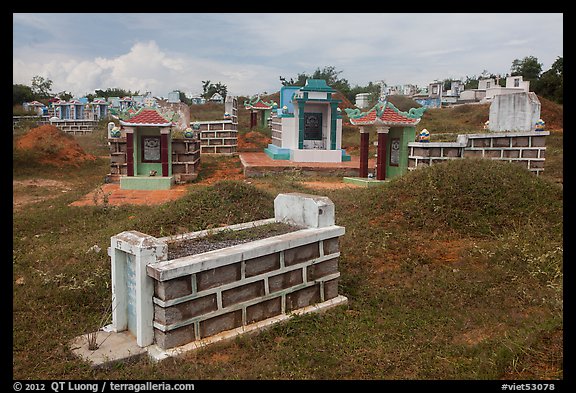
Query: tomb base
146, 182
315, 155
364, 181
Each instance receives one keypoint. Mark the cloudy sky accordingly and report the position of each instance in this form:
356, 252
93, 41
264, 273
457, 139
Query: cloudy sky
248, 52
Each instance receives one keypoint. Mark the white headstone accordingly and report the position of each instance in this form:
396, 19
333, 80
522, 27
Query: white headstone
514, 112
305, 210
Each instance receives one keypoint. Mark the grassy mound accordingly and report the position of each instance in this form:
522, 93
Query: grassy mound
472, 197
552, 113
224, 203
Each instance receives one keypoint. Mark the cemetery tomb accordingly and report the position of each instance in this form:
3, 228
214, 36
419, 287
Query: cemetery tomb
258, 106
308, 125
175, 294
395, 130
220, 136
146, 155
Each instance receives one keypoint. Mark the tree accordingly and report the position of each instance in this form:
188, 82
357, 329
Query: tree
329, 74
21, 93
41, 87
300, 80
209, 89
528, 68
65, 95
471, 82
205, 86
372, 88
115, 92
184, 99
551, 83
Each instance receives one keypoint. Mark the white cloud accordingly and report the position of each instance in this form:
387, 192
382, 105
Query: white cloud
248, 52
146, 67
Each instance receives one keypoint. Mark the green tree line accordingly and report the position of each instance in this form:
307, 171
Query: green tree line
548, 84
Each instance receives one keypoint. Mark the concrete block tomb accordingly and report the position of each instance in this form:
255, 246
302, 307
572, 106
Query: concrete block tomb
179, 293
527, 149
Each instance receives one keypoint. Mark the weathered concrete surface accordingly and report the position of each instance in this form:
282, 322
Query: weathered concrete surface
122, 347
112, 347
303, 209
514, 112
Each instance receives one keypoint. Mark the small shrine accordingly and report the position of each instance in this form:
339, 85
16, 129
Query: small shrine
395, 130
35, 106
69, 110
257, 105
148, 151
308, 125
99, 109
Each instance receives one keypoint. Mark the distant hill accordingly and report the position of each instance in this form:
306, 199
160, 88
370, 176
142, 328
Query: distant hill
471, 117
552, 113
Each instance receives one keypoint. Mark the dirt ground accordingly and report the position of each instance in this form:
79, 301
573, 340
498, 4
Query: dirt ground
252, 141
25, 192
53, 147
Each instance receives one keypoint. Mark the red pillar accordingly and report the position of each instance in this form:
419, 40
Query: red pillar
253, 119
381, 159
364, 138
130, 154
164, 153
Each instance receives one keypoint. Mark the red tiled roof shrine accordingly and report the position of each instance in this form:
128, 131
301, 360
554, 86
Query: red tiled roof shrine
258, 104
147, 117
390, 115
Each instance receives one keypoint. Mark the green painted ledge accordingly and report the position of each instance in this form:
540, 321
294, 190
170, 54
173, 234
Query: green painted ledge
146, 182
364, 182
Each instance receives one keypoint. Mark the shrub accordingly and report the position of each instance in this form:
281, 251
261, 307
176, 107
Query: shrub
475, 197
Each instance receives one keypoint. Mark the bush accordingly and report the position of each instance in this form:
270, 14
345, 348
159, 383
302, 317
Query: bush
475, 197
224, 203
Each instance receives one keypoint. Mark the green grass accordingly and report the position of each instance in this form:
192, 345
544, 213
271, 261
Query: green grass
459, 119
452, 272
208, 112
554, 167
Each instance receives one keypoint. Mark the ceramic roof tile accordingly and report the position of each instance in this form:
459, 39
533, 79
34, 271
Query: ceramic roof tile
368, 118
389, 116
258, 104
149, 117
261, 105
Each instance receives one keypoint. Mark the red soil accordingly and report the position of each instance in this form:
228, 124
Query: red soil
54, 147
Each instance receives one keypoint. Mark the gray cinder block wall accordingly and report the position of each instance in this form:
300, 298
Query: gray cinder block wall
220, 136
197, 297
527, 149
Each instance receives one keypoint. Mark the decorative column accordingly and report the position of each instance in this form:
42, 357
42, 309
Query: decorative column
333, 114
132, 288
301, 104
364, 138
129, 151
164, 146
381, 158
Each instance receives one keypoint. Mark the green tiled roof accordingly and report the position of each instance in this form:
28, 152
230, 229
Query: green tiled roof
317, 85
